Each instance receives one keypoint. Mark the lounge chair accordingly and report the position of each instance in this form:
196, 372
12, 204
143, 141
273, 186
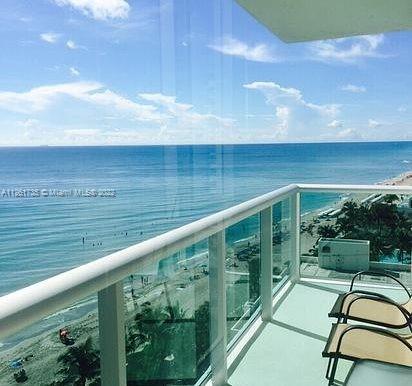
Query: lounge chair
360, 342
372, 307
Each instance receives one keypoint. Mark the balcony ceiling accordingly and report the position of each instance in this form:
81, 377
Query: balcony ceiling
304, 20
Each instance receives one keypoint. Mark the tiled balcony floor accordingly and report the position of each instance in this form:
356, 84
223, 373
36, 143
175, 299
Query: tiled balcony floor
287, 352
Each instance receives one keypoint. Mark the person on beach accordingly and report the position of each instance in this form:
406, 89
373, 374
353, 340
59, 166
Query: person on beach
65, 338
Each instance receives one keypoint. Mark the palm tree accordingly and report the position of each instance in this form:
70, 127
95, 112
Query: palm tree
202, 320
404, 241
390, 198
150, 340
81, 363
327, 231
349, 217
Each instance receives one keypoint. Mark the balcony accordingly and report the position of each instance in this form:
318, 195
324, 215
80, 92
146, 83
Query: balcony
238, 297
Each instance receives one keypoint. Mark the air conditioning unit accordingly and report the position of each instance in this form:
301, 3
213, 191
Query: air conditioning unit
343, 254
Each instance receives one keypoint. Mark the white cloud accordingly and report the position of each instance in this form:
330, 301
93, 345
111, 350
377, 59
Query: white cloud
50, 37
294, 115
402, 109
29, 123
167, 101
276, 94
282, 127
233, 47
81, 132
183, 112
99, 9
74, 71
348, 50
71, 44
40, 98
335, 124
159, 119
348, 134
372, 124
353, 88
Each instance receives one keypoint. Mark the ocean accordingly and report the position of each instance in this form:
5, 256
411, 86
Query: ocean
157, 188
50, 220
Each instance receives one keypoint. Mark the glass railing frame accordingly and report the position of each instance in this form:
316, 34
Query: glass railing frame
105, 277
347, 190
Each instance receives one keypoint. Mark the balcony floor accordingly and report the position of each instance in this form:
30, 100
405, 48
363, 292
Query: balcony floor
287, 351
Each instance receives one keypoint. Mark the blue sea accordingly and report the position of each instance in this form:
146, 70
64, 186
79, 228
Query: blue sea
156, 188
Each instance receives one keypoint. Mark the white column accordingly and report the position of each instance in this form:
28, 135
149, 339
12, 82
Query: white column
266, 259
217, 285
295, 234
112, 335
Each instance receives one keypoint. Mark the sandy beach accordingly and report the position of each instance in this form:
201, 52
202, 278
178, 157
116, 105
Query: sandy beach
404, 179
42, 351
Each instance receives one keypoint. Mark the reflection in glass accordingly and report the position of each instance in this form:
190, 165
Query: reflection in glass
242, 273
167, 319
62, 348
282, 243
357, 232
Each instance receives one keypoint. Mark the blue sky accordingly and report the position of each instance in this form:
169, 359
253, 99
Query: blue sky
97, 72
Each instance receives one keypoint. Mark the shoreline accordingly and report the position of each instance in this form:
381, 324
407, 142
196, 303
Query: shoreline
404, 179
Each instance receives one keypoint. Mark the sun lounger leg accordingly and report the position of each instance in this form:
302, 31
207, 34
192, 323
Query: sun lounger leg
328, 369
334, 367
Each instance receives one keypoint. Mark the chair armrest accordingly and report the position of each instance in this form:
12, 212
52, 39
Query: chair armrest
374, 273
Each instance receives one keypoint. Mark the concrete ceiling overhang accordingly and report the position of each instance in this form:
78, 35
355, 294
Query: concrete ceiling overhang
305, 20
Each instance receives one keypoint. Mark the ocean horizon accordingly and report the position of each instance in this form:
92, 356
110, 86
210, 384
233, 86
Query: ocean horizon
157, 188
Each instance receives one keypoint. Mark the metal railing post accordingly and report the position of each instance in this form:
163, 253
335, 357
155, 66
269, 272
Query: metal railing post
112, 335
217, 285
266, 258
295, 234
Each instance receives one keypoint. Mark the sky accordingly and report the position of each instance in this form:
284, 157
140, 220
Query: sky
129, 72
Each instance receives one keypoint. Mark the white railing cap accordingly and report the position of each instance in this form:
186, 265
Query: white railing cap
28, 305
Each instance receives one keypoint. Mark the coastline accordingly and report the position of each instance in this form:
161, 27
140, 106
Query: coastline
404, 179
46, 347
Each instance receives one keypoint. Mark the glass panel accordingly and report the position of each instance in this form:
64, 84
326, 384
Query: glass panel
167, 319
355, 232
242, 273
42, 352
283, 264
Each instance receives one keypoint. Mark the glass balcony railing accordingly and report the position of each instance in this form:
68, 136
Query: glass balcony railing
242, 273
176, 308
353, 231
283, 261
167, 319
61, 348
